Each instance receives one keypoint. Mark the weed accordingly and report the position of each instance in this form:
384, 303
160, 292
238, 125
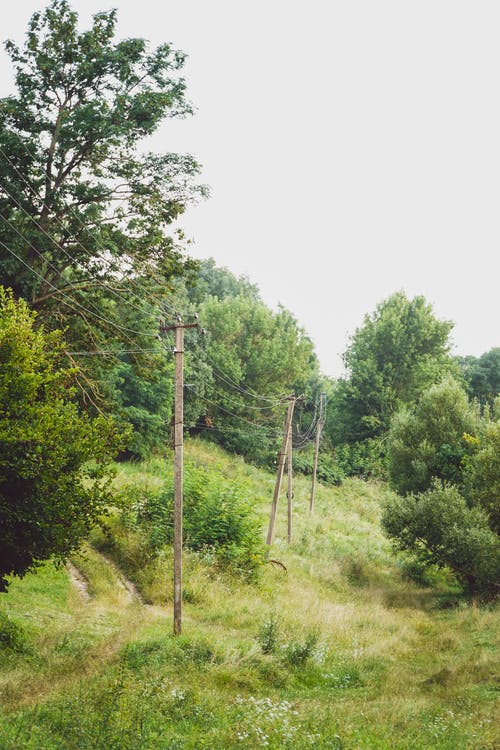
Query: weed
297, 653
269, 634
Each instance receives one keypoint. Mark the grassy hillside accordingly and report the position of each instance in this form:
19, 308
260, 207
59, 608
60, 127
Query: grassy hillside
339, 650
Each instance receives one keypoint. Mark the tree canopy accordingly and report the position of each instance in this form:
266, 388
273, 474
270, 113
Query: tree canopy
444, 464
400, 350
52, 458
252, 358
84, 214
482, 376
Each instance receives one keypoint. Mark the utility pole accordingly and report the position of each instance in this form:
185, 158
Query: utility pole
281, 466
179, 329
289, 493
319, 429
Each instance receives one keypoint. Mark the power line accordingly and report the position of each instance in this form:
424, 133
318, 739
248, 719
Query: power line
114, 352
224, 377
72, 301
307, 438
162, 304
124, 329
68, 255
261, 428
229, 381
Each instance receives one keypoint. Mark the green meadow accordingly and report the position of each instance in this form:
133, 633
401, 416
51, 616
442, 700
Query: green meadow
331, 643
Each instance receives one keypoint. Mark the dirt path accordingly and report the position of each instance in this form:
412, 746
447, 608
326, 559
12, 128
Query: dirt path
129, 587
81, 583
78, 580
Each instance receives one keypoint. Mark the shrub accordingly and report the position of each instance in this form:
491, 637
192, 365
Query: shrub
330, 471
218, 515
440, 529
362, 459
53, 459
296, 653
12, 636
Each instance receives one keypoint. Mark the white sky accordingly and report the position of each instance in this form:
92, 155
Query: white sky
352, 149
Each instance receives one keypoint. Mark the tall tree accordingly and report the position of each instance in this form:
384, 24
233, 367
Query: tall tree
482, 376
400, 350
214, 281
84, 216
255, 357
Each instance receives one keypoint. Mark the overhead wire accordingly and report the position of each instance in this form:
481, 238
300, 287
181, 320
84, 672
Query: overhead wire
300, 440
73, 303
160, 303
68, 285
112, 352
71, 257
231, 382
261, 428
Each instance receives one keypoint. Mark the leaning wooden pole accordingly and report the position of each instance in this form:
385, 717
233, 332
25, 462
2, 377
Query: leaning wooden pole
289, 493
319, 429
281, 467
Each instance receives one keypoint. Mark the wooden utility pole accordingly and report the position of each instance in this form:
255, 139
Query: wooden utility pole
281, 466
178, 474
289, 493
319, 429
179, 328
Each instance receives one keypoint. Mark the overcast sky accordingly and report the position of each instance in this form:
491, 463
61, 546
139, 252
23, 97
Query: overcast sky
352, 149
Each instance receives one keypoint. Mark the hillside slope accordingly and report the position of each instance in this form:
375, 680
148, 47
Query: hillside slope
336, 651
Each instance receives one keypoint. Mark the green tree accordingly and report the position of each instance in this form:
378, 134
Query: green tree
141, 396
255, 357
84, 216
50, 493
482, 376
433, 439
439, 528
444, 463
213, 281
400, 350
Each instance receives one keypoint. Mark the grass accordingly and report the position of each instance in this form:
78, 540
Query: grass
339, 651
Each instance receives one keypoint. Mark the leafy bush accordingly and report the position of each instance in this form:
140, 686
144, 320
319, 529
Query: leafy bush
330, 471
12, 635
431, 441
440, 529
359, 459
53, 459
218, 516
